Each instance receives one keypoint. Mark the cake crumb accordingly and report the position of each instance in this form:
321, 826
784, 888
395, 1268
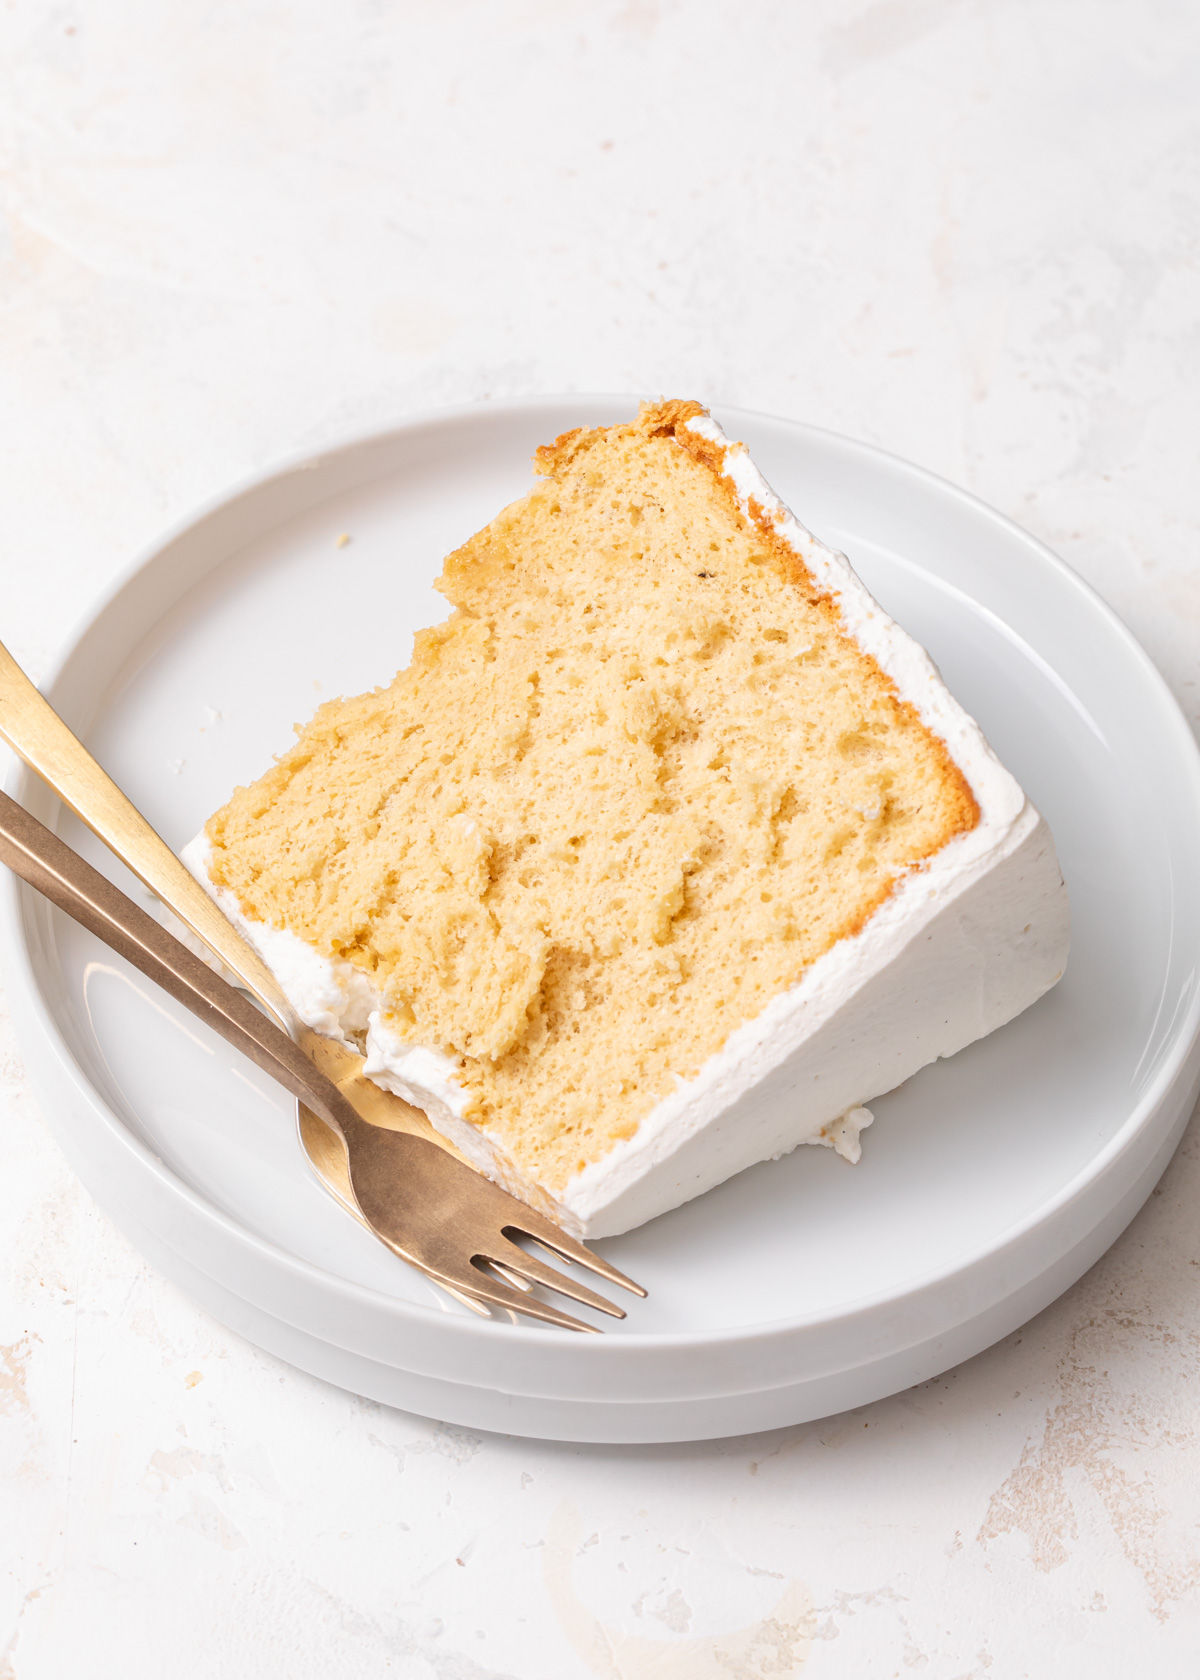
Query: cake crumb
343, 540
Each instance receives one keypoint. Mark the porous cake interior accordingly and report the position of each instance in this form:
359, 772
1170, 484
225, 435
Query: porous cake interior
635, 784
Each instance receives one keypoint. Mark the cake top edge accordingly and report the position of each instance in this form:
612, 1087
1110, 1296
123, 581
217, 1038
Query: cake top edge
667, 418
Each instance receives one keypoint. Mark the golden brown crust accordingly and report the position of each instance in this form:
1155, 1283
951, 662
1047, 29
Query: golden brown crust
664, 419
553, 458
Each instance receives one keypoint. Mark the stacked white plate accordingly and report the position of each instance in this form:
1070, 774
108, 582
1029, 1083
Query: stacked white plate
988, 1183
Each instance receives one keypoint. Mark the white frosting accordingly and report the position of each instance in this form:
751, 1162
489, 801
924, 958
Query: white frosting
422, 1076
960, 947
329, 994
334, 997
845, 1134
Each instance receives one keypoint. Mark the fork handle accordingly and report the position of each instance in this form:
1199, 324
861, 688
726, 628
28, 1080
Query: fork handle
50, 866
36, 733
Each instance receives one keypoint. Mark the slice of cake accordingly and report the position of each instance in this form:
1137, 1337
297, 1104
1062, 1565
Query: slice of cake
666, 853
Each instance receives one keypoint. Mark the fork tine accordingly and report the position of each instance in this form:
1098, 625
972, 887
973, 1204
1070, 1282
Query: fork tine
544, 1232
515, 1259
499, 1294
428, 1208
470, 1280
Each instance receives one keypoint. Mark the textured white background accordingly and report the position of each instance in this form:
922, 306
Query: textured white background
968, 230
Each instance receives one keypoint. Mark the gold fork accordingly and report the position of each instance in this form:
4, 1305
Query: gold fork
376, 1154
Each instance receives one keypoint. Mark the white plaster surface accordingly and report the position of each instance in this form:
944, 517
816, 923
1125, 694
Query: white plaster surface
968, 230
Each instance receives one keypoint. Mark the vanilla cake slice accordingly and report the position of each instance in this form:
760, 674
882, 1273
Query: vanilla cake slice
666, 853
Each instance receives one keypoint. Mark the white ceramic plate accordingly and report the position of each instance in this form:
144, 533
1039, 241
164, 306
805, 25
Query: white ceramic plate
988, 1182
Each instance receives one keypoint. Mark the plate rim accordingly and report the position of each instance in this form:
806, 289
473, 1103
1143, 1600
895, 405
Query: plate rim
14, 896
